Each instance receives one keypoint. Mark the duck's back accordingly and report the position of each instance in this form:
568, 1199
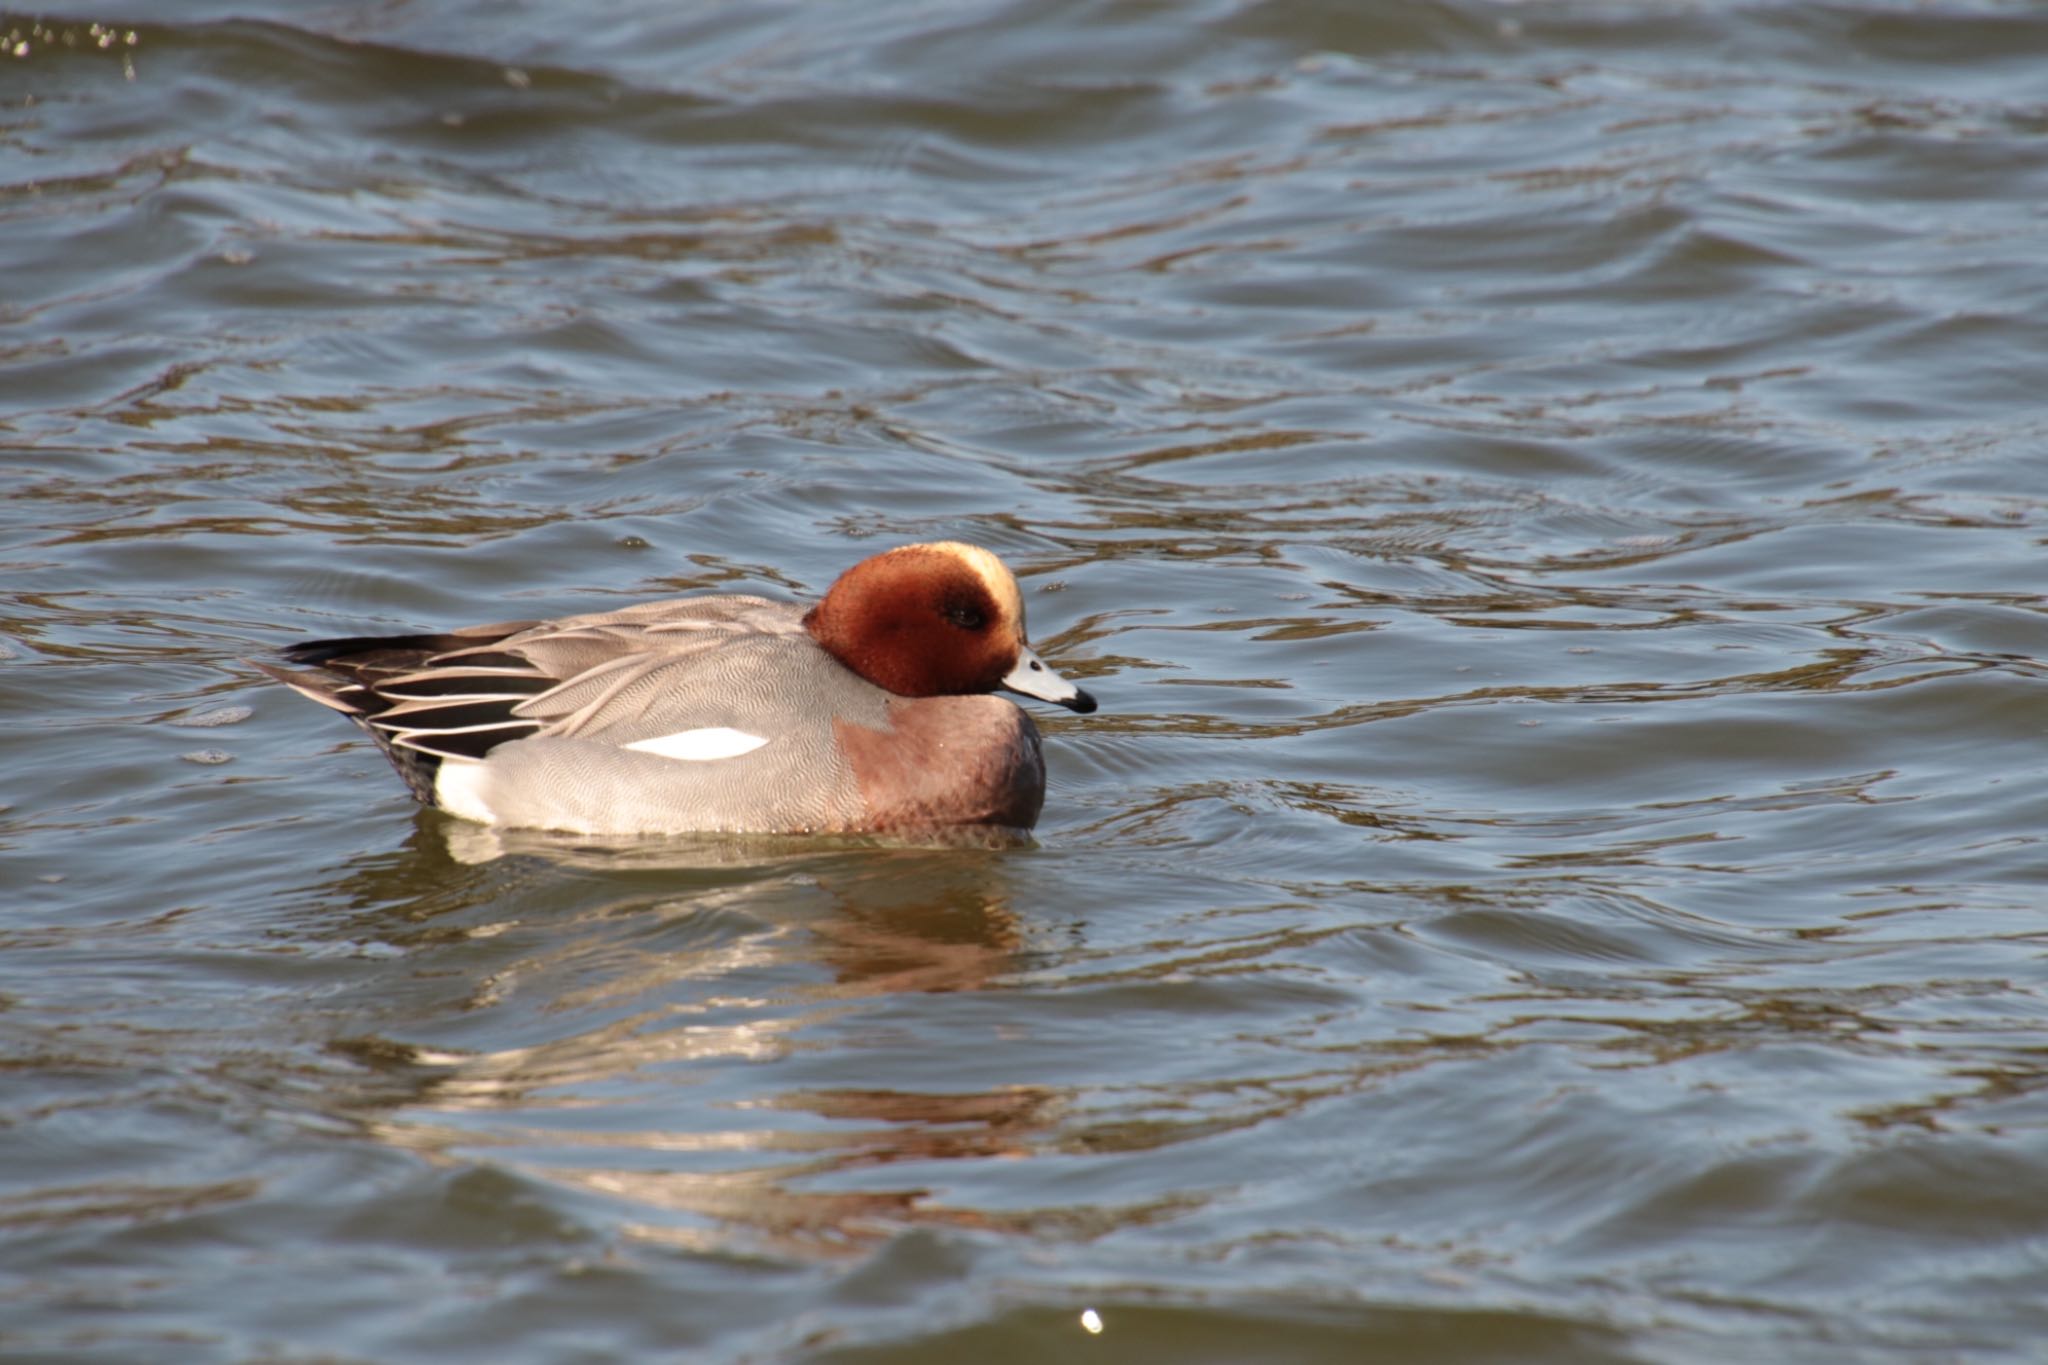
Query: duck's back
739, 735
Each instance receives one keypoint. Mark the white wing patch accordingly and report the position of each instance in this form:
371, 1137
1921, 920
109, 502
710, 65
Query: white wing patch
699, 746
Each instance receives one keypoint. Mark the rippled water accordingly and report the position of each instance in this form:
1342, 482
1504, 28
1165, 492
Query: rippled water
1550, 498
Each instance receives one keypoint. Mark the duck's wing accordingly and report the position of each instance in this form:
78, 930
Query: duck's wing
461, 694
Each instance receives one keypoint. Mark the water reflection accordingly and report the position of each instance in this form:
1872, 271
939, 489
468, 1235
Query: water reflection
616, 1006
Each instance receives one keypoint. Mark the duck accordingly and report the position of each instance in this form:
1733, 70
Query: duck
871, 712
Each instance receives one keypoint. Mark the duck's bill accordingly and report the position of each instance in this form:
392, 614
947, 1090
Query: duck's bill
1031, 678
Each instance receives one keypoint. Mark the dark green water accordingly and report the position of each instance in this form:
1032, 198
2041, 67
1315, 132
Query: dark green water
1549, 496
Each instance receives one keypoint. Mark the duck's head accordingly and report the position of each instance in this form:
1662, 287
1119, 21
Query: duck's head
936, 620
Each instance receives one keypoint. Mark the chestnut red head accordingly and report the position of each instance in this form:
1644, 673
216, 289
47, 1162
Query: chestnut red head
936, 620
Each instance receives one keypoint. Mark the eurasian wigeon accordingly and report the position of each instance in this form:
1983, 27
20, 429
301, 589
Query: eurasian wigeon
867, 713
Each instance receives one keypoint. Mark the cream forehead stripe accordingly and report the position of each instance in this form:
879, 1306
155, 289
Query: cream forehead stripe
994, 576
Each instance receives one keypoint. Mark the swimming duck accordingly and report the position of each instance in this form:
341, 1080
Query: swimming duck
867, 713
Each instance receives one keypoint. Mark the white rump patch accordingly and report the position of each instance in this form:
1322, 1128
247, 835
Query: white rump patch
459, 790
698, 746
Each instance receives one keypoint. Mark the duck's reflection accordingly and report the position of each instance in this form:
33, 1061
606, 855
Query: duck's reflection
718, 1033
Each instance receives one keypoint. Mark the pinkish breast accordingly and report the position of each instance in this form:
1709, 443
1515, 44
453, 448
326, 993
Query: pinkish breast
947, 761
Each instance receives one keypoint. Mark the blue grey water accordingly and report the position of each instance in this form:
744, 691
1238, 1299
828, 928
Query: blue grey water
1549, 496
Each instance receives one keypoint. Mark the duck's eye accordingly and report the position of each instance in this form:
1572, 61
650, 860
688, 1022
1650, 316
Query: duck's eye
967, 618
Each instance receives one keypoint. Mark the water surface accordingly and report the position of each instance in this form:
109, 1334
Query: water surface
1550, 499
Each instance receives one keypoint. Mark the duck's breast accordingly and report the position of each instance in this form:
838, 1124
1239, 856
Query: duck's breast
946, 761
